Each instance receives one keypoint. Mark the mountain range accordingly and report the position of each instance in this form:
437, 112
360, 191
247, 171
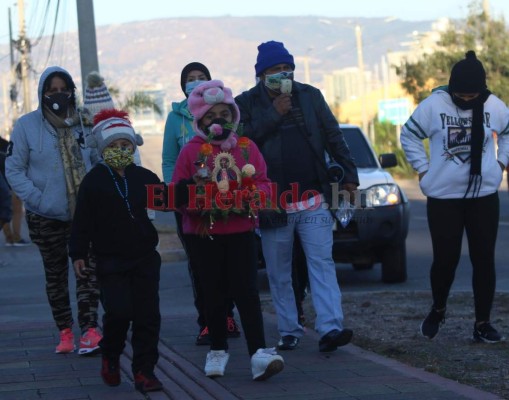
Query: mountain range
138, 55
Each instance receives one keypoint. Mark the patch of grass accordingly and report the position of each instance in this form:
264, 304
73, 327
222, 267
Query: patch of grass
387, 323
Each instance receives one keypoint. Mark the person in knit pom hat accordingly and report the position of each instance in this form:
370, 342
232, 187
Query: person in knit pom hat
97, 96
294, 127
225, 253
467, 128
178, 130
111, 217
111, 125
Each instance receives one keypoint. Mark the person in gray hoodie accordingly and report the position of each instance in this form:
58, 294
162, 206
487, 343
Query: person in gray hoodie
46, 160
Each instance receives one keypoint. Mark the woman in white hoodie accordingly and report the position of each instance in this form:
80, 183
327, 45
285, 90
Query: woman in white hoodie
460, 178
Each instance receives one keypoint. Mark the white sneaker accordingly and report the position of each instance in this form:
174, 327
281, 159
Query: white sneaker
266, 363
216, 363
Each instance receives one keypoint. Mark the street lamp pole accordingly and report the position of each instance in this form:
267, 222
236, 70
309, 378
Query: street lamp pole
307, 73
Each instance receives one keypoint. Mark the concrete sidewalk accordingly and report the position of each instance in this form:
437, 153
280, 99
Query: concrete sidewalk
30, 370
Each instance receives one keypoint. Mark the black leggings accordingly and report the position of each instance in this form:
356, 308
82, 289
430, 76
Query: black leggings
227, 268
448, 219
199, 300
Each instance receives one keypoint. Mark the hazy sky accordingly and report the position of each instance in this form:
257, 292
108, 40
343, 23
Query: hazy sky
119, 11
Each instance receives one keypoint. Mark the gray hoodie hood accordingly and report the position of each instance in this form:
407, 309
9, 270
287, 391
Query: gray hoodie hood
34, 166
44, 76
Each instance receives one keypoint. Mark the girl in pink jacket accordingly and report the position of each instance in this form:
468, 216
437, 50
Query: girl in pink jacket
221, 182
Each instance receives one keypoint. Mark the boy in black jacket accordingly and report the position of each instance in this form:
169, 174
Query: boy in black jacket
111, 216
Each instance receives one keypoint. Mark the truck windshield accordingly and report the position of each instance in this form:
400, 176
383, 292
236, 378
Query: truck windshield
359, 148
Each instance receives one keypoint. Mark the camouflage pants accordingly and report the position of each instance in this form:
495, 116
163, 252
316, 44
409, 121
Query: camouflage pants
52, 237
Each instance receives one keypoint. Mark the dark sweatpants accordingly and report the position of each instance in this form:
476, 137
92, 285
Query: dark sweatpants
447, 219
227, 267
130, 293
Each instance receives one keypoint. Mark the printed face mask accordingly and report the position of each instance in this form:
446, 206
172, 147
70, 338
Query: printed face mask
58, 103
273, 82
118, 158
191, 85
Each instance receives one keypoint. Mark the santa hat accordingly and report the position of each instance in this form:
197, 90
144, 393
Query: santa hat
111, 125
97, 95
206, 96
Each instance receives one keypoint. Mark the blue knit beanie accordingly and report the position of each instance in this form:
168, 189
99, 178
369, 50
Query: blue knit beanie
270, 54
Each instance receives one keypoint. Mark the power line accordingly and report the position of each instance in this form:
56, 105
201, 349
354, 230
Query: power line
43, 26
53, 34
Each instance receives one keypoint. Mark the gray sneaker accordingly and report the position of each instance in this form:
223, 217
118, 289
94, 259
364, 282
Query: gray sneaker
216, 363
266, 363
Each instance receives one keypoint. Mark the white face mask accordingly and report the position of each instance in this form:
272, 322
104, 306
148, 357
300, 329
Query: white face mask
273, 82
190, 86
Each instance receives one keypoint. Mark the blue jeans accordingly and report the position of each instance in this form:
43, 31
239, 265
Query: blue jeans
314, 228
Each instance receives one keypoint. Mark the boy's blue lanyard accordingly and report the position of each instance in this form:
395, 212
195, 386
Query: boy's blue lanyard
124, 196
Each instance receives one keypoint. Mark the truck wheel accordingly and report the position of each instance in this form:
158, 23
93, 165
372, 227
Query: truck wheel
394, 264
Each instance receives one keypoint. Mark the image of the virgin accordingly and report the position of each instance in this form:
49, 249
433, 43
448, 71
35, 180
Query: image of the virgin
225, 168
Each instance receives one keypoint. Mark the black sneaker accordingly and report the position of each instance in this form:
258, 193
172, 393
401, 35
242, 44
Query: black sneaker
432, 323
486, 333
203, 338
232, 328
288, 342
334, 339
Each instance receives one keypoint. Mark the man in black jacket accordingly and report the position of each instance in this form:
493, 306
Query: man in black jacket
294, 127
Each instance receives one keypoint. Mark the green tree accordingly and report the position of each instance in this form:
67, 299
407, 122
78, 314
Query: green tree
487, 36
139, 101
136, 102
387, 142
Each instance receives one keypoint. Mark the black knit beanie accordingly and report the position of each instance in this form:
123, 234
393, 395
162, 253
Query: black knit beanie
468, 75
194, 66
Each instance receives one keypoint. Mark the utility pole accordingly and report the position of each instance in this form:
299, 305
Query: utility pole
360, 61
13, 92
88, 43
24, 48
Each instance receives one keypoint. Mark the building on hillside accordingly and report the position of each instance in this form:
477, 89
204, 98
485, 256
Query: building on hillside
145, 120
353, 100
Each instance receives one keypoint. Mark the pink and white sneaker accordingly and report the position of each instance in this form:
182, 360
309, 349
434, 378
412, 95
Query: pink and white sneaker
66, 344
89, 342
